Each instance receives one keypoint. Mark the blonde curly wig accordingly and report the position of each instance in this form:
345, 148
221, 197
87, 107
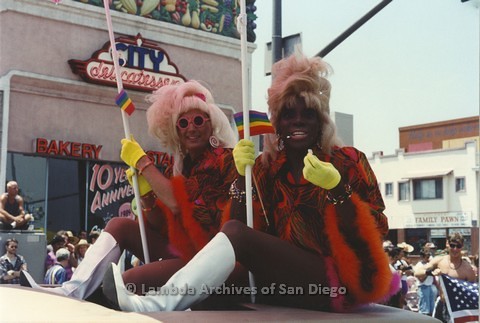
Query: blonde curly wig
169, 102
294, 77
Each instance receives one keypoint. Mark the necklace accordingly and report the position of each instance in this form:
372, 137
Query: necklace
450, 263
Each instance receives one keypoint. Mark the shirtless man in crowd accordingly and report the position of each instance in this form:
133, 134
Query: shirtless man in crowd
12, 214
452, 265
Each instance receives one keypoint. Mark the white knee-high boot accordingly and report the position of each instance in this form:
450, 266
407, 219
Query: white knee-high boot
89, 274
210, 267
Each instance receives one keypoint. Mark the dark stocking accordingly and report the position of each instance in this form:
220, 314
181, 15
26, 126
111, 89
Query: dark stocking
274, 261
151, 276
127, 233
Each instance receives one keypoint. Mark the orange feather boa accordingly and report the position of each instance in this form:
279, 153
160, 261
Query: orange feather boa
185, 233
347, 260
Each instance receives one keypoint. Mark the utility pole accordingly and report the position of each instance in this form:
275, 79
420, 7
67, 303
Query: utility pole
277, 46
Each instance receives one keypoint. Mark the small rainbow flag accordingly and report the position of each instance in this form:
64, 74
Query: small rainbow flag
259, 123
124, 102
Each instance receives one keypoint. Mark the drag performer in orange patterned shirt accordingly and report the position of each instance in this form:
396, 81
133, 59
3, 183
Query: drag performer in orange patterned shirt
318, 213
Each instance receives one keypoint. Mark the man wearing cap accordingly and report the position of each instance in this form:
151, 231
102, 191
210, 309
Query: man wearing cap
57, 274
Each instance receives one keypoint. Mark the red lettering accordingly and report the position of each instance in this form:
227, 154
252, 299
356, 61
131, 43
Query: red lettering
160, 158
67, 148
52, 148
152, 81
87, 151
97, 150
107, 72
94, 70
41, 146
153, 155
75, 150
63, 148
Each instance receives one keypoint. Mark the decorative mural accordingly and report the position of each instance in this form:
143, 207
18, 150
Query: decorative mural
214, 16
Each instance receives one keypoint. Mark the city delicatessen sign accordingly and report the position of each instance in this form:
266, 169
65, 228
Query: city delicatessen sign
144, 65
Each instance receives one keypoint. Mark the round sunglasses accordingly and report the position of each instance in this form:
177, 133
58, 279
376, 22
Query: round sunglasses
197, 120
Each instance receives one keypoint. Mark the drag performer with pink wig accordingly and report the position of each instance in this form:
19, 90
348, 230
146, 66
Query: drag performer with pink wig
183, 207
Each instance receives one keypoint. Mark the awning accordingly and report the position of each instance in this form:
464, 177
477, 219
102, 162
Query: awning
426, 174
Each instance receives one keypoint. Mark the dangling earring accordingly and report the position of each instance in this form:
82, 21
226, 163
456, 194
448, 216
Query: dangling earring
213, 141
319, 142
280, 144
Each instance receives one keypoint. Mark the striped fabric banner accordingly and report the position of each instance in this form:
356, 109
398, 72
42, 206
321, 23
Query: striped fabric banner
124, 102
259, 123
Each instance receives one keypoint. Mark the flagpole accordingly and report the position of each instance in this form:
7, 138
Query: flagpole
242, 27
126, 128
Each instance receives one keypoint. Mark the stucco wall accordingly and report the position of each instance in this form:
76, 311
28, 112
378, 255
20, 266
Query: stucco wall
46, 99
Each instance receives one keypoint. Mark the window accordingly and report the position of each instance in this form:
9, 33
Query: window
66, 194
388, 189
52, 189
403, 191
460, 184
428, 189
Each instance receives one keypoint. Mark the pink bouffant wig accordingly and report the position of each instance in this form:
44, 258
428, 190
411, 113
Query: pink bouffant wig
169, 102
300, 77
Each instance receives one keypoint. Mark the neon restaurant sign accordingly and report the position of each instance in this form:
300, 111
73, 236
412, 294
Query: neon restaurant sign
144, 65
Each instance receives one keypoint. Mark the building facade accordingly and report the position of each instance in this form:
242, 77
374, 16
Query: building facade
439, 135
431, 193
60, 127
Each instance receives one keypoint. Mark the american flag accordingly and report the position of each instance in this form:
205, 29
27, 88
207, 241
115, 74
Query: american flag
461, 298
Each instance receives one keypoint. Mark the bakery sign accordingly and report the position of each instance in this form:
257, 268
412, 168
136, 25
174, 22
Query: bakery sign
144, 65
67, 148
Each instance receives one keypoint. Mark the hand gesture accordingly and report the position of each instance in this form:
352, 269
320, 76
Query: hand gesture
243, 155
320, 173
131, 152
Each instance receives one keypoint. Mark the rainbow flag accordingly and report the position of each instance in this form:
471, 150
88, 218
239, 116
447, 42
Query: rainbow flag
124, 102
259, 123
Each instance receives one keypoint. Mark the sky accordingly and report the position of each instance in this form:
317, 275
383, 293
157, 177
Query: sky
414, 62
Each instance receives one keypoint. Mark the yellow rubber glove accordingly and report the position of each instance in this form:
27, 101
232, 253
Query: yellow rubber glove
143, 185
131, 152
320, 173
243, 155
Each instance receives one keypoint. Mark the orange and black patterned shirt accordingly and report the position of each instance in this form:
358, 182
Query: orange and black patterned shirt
202, 194
295, 211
